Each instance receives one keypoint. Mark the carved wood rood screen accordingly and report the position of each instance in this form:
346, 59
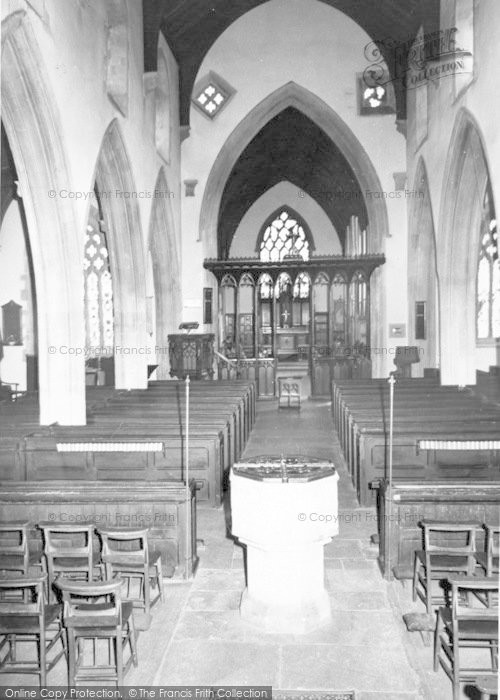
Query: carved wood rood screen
314, 313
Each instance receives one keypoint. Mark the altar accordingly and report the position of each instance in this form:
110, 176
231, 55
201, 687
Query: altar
285, 510
291, 343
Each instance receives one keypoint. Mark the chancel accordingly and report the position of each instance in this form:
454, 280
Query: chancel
250, 333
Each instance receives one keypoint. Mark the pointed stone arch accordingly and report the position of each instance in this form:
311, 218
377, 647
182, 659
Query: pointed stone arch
293, 95
115, 183
312, 106
166, 270
31, 119
465, 179
422, 269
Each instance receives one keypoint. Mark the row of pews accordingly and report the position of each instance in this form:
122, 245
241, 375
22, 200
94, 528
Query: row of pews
141, 435
439, 432
446, 457
128, 464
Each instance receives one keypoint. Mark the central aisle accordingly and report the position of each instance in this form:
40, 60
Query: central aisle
362, 649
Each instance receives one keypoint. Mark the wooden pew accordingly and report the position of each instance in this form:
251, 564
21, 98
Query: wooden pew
364, 386
373, 448
407, 417
160, 505
422, 412
130, 453
242, 390
205, 413
221, 416
230, 400
171, 422
361, 408
433, 499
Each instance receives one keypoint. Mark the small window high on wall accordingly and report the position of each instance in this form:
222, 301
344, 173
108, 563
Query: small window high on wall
284, 235
488, 274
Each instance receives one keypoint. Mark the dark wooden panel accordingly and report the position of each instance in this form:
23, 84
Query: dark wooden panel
160, 505
414, 501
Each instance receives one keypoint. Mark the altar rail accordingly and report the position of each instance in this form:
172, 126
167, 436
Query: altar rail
261, 370
414, 501
161, 506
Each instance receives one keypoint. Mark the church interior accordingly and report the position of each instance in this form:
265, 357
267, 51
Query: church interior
250, 347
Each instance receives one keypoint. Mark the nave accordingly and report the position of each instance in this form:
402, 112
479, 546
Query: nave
197, 637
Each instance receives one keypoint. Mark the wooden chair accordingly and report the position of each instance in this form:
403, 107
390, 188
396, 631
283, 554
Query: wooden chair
9, 391
28, 619
95, 611
488, 560
487, 686
68, 552
126, 552
468, 623
449, 548
14, 552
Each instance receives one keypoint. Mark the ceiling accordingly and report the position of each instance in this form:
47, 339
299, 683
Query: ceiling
192, 26
291, 147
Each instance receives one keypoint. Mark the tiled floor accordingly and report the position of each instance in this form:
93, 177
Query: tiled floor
198, 638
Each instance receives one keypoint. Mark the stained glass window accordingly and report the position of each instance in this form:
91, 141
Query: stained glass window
488, 274
265, 286
98, 289
284, 236
301, 286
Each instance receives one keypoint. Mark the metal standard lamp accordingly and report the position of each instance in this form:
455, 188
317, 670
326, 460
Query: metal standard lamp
187, 326
392, 381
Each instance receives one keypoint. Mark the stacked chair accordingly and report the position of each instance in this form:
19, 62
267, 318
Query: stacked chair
95, 620
25, 617
459, 588
96, 611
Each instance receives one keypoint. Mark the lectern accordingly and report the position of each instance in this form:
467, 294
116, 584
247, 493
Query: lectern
285, 511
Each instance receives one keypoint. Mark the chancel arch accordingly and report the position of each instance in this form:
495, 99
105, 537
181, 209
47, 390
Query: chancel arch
295, 97
465, 183
312, 106
423, 305
31, 121
115, 182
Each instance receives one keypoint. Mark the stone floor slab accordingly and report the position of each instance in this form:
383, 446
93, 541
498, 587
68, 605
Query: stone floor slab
362, 668
351, 581
217, 579
359, 601
218, 663
214, 600
343, 549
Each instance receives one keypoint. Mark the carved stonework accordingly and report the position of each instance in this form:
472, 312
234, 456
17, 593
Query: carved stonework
190, 187
117, 55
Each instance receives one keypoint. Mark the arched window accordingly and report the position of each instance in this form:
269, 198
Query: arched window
488, 274
284, 235
99, 317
